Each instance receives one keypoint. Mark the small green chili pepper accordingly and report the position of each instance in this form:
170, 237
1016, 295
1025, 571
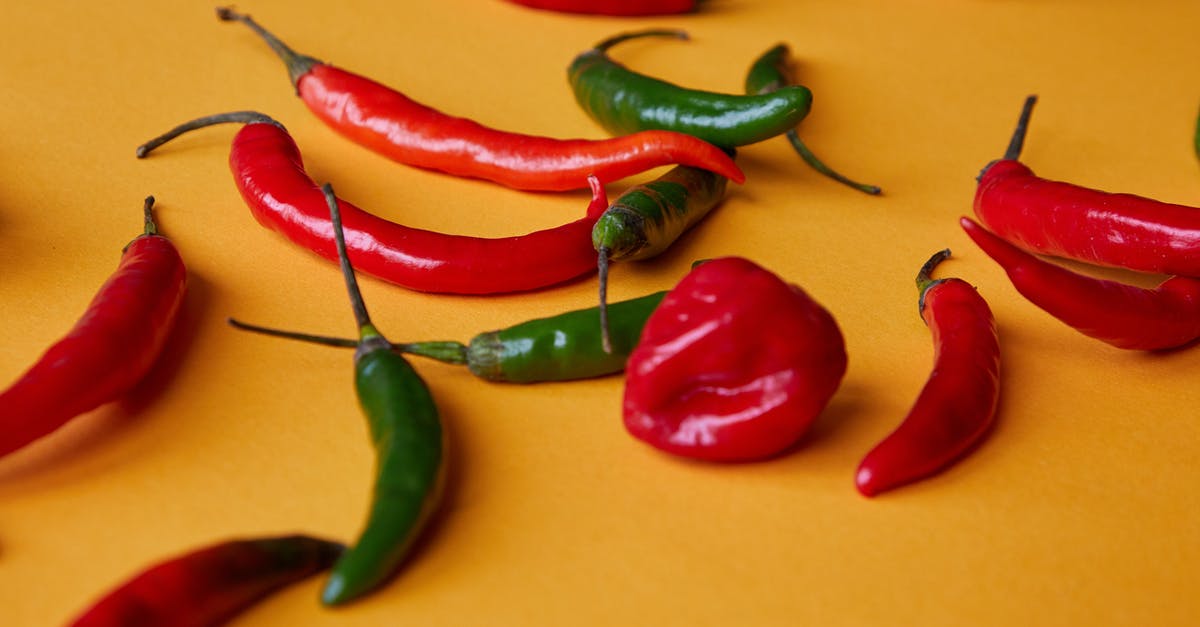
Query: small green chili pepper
771, 72
410, 450
563, 347
648, 218
624, 101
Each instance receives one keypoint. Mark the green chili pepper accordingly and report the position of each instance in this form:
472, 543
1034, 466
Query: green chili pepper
771, 72
624, 101
556, 348
409, 450
647, 219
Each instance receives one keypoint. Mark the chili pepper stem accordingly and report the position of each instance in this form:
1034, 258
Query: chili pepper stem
818, 165
603, 46
602, 271
925, 278
297, 64
448, 352
1018, 138
148, 216
232, 117
369, 334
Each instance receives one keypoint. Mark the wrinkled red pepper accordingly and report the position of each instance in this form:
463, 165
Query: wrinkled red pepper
734, 365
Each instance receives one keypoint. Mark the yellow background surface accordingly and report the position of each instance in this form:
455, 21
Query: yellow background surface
1081, 509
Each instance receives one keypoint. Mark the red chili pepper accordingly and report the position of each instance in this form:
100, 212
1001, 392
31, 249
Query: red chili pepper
269, 173
211, 585
613, 7
1122, 315
109, 350
1066, 220
958, 403
734, 365
399, 128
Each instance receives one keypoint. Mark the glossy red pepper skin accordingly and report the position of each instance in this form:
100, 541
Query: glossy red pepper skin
110, 349
613, 7
957, 406
210, 586
733, 365
396, 126
1124, 316
269, 173
1075, 222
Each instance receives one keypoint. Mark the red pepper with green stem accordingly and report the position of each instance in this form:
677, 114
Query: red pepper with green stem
772, 71
956, 408
269, 172
212, 585
110, 349
734, 365
1124, 316
1066, 220
404, 130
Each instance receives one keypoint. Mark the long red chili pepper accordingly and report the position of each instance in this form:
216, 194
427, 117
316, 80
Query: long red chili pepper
210, 586
407, 131
958, 403
1122, 315
613, 7
1067, 220
109, 350
269, 173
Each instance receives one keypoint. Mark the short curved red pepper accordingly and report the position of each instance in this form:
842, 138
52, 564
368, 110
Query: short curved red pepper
734, 365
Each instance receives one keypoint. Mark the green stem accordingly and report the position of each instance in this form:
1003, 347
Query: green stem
233, 117
602, 271
297, 64
925, 278
339, 237
820, 166
447, 352
324, 340
603, 46
148, 215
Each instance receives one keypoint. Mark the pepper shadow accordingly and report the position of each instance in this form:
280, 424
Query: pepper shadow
112, 419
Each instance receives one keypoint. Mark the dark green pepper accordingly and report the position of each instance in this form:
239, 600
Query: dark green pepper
648, 218
624, 101
771, 72
563, 347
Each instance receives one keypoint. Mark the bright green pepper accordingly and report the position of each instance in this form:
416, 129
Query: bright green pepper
624, 101
772, 72
563, 347
410, 451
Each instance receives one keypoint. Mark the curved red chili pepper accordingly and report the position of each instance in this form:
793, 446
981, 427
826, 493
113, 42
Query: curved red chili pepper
733, 365
269, 173
109, 350
1122, 315
613, 7
407, 131
1075, 222
209, 586
957, 406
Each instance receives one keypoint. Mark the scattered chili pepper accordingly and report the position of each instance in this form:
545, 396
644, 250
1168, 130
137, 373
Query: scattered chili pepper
564, 347
613, 7
734, 365
404, 130
957, 406
410, 449
771, 72
211, 585
645, 220
1125, 316
109, 350
269, 173
1075, 222
624, 101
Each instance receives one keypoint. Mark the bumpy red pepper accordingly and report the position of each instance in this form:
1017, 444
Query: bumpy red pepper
1066, 220
108, 351
957, 406
211, 585
734, 365
1122, 315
